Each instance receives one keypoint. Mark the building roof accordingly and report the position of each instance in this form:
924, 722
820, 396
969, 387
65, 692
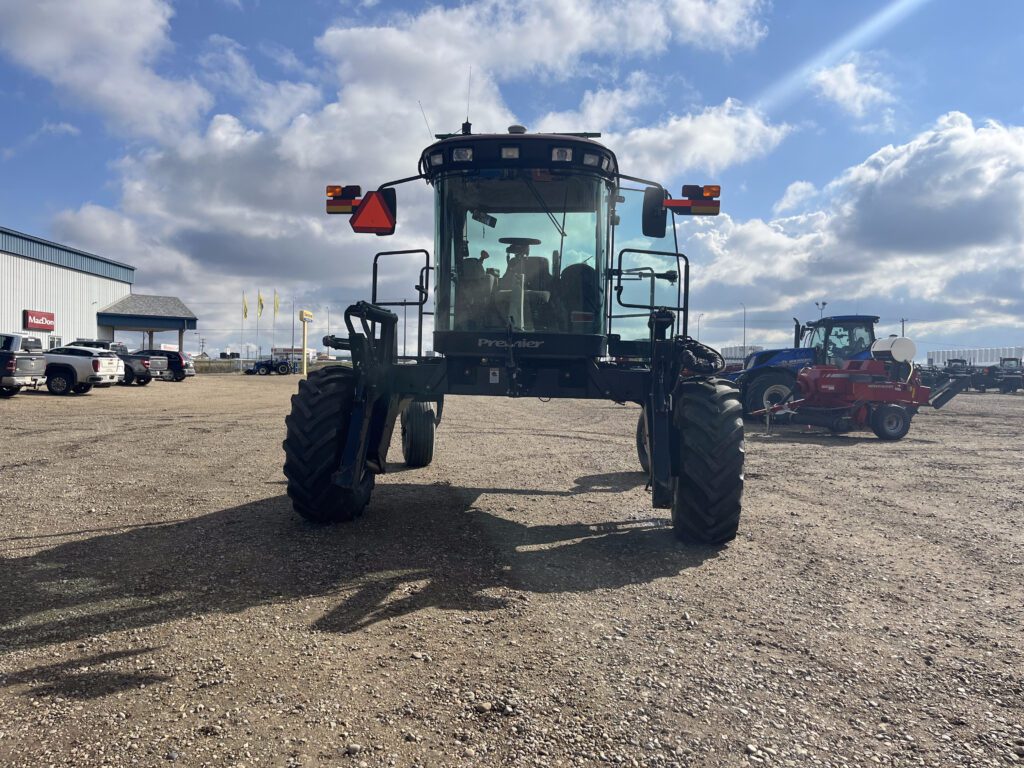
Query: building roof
141, 312
143, 305
37, 249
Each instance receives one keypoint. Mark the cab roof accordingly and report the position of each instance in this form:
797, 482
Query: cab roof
530, 150
843, 319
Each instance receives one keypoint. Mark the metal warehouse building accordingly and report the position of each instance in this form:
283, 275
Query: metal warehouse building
980, 356
61, 294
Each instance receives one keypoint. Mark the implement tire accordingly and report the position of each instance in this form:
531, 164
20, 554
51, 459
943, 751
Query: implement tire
317, 428
418, 434
890, 422
708, 491
642, 451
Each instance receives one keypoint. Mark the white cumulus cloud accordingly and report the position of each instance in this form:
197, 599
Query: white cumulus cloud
856, 87
102, 53
796, 194
928, 229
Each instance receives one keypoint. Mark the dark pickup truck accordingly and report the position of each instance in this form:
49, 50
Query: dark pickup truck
21, 363
179, 367
139, 368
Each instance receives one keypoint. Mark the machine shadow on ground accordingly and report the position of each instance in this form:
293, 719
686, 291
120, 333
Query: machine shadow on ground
419, 546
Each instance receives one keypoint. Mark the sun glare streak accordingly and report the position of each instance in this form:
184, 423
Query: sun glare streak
863, 34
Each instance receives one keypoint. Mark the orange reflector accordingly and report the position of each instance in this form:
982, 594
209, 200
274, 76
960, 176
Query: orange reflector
373, 215
334, 190
712, 190
335, 205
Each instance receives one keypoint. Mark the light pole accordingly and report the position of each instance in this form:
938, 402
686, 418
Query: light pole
744, 330
698, 325
821, 308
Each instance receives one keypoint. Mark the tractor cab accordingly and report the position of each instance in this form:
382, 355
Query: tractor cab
522, 237
835, 340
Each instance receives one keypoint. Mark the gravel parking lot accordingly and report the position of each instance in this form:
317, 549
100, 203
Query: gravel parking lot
516, 603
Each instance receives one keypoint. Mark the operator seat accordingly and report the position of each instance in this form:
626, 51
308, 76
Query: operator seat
536, 273
579, 292
473, 290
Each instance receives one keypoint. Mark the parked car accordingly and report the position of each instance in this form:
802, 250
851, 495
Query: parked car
138, 368
79, 369
21, 363
179, 366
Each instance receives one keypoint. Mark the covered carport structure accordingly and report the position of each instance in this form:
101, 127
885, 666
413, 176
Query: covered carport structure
149, 314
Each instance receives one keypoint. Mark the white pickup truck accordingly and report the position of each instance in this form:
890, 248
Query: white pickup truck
79, 369
138, 369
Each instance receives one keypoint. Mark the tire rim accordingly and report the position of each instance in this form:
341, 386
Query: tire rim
60, 385
892, 422
775, 394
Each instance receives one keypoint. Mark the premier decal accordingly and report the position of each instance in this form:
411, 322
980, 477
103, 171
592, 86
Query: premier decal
504, 344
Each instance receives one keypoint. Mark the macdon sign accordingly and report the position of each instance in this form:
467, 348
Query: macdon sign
33, 320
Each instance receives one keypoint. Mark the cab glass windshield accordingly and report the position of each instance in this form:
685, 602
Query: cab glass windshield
522, 248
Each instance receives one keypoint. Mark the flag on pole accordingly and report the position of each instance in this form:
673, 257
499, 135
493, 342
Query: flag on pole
277, 304
245, 308
259, 303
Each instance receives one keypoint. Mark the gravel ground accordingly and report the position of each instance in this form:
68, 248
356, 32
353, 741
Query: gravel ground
516, 603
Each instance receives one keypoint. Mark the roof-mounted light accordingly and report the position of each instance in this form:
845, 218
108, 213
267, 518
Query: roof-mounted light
437, 158
510, 153
561, 154
591, 159
462, 155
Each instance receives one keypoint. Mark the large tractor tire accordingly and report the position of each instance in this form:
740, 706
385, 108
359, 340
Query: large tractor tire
770, 388
709, 485
643, 452
283, 369
890, 422
418, 434
316, 431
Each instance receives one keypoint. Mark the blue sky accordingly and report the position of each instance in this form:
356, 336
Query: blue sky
870, 153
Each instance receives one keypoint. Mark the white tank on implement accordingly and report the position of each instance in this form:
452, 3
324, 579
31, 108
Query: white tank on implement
896, 349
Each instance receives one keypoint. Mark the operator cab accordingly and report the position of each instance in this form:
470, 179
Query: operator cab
523, 226
838, 339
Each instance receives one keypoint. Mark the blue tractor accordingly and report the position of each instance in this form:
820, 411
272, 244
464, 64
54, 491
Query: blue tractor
768, 377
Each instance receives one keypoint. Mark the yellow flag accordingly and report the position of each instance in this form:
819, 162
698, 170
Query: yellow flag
245, 308
277, 303
259, 303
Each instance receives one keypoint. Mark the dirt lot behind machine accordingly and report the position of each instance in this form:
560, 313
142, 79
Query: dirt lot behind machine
518, 603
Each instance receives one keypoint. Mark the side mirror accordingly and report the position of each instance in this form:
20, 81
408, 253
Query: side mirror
654, 213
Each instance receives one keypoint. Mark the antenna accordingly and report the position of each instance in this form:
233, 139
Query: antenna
469, 91
422, 112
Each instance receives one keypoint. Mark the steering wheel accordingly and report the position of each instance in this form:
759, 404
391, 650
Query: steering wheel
517, 246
